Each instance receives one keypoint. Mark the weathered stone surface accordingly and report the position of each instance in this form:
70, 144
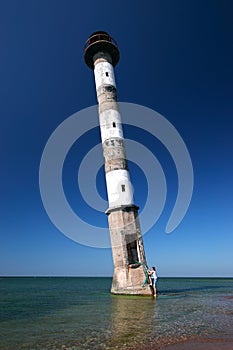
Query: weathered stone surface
106, 93
127, 250
114, 154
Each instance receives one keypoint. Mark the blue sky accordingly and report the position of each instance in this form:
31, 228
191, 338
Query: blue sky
176, 58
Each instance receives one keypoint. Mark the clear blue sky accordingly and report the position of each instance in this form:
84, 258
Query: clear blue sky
176, 58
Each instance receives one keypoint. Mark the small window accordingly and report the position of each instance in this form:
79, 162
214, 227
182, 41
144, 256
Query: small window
123, 188
114, 124
106, 74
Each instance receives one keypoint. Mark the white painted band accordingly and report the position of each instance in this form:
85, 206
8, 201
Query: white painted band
119, 188
104, 74
110, 124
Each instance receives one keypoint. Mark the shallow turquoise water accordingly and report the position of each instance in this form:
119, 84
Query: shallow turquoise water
80, 313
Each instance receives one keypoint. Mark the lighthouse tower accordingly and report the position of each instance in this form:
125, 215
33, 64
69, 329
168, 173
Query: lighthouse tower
101, 54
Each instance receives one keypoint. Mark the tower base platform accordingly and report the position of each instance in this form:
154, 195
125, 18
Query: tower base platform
130, 281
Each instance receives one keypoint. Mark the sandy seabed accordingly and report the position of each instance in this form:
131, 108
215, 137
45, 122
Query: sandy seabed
190, 344
201, 344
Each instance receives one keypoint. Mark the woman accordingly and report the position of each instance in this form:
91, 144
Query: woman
154, 277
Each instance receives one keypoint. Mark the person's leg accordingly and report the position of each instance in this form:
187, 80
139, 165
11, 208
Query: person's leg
151, 285
155, 289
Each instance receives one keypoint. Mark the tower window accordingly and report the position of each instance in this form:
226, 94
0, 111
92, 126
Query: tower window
123, 188
114, 124
106, 74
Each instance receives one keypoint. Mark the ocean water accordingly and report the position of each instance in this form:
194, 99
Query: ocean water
80, 313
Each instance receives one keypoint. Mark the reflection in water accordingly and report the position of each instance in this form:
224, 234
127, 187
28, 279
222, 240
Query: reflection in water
131, 320
139, 322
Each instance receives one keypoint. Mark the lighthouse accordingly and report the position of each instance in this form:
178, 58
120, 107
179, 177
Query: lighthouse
101, 54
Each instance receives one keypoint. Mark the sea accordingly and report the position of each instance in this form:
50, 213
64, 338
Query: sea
78, 313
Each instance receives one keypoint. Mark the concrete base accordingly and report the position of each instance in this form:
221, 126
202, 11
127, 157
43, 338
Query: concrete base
133, 291
129, 281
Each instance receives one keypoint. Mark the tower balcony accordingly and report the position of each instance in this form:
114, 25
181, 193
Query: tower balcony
100, 42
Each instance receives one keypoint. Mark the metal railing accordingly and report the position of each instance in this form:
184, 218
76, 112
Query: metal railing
99, 37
